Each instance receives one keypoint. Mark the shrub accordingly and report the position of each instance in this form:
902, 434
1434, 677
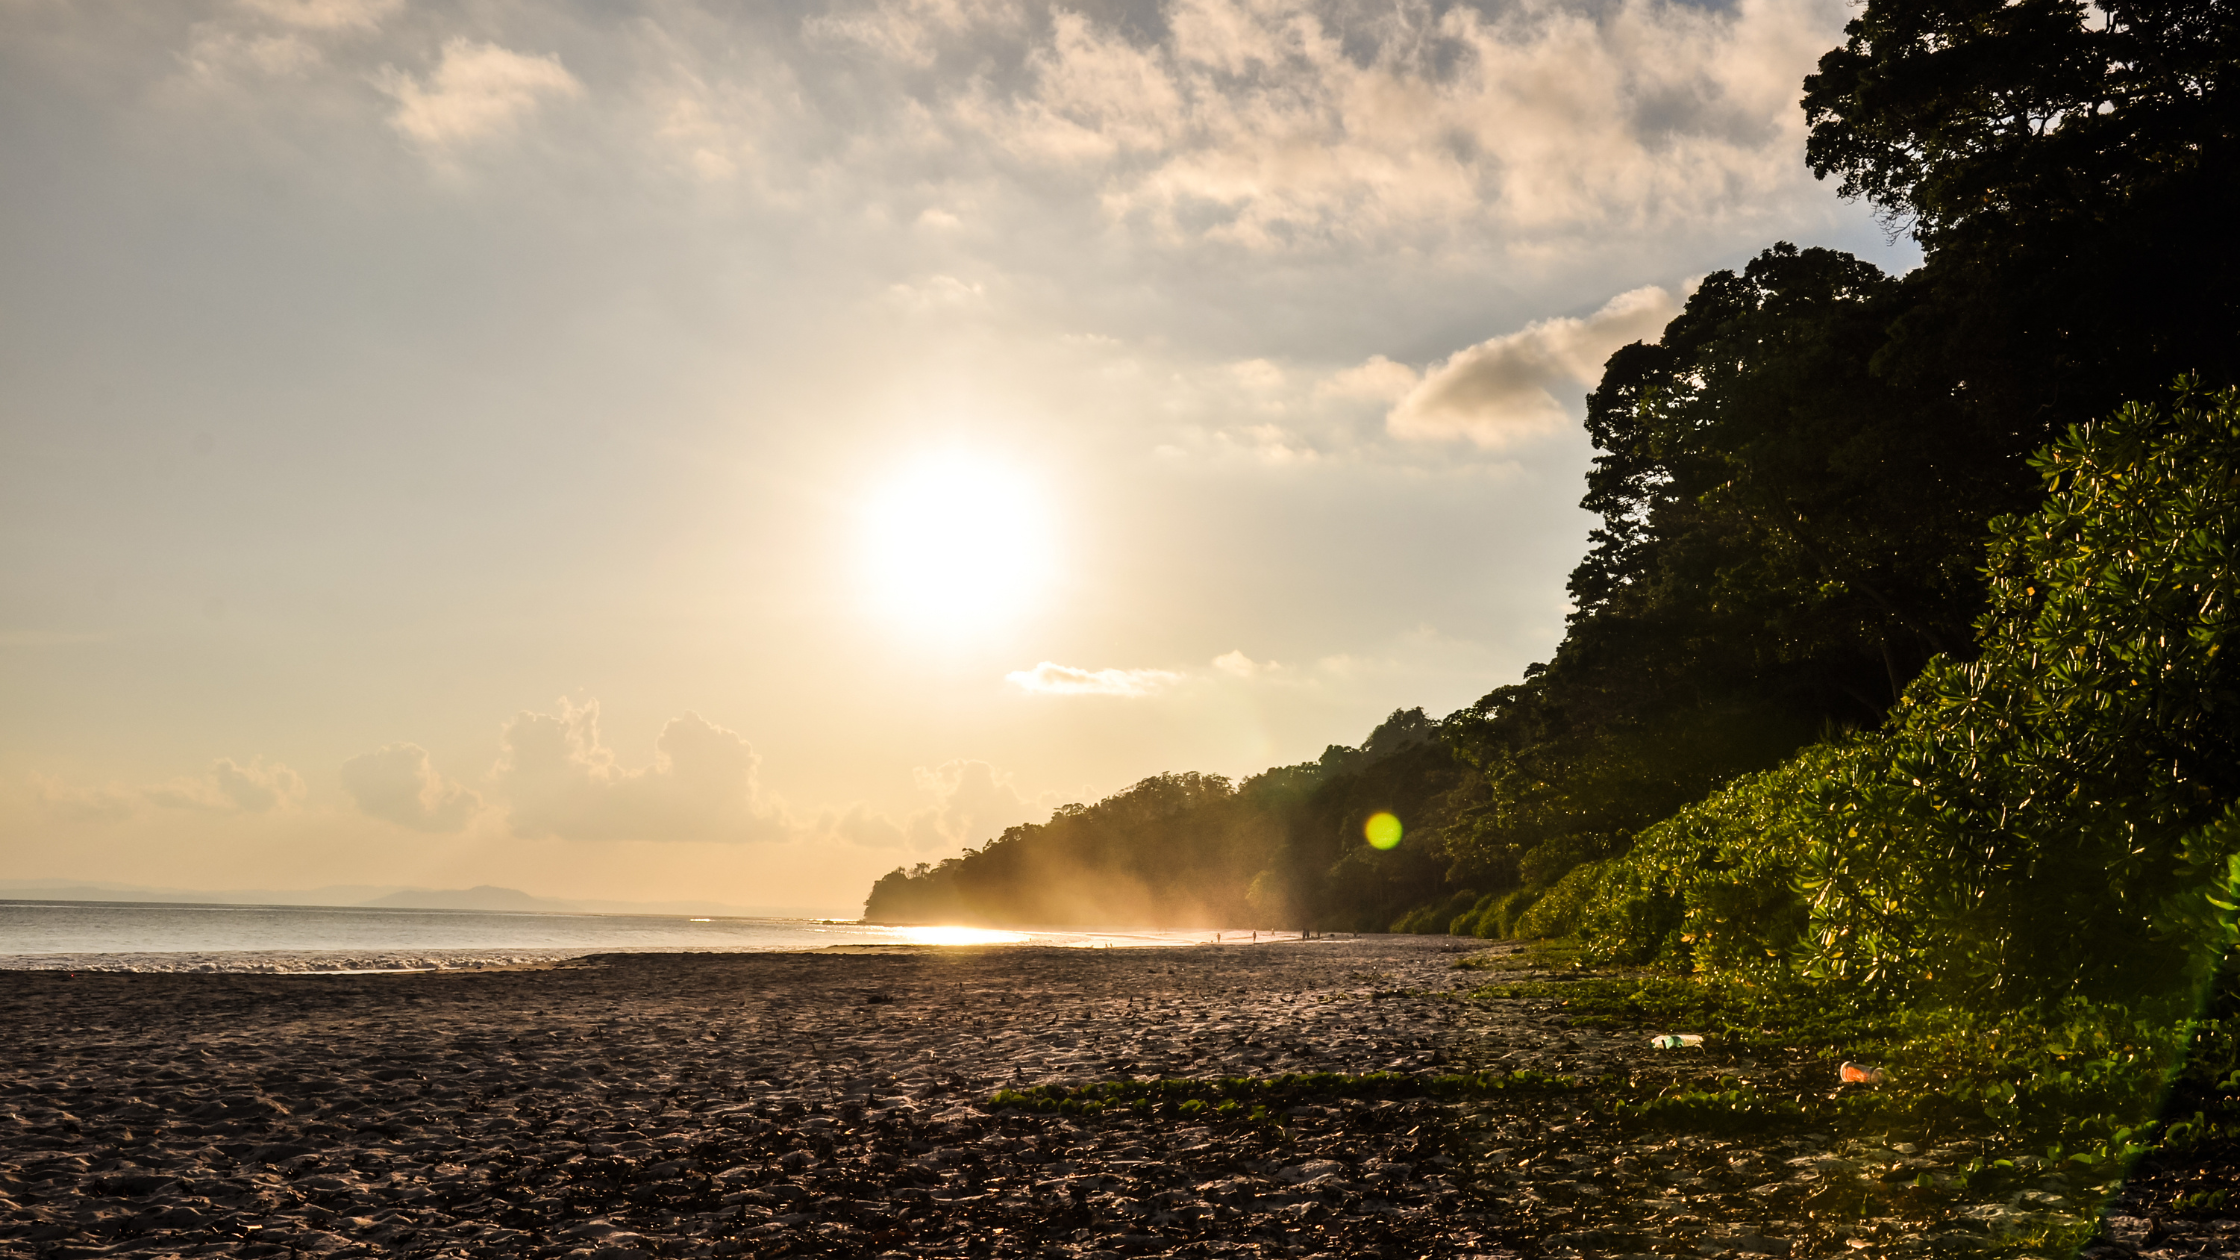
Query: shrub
2049, 820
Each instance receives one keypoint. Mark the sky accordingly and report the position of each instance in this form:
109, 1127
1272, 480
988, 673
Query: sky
660, 450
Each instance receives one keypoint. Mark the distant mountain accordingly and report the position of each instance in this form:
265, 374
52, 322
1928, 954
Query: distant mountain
479, 897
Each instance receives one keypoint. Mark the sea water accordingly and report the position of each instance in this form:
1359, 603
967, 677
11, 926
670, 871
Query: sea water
141, 936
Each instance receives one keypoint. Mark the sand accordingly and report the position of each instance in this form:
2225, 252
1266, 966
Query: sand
842, 1103
718, 1104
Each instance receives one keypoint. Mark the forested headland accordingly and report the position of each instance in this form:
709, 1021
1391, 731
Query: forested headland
1898, 658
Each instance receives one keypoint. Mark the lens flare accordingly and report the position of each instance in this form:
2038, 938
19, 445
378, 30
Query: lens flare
1382, 829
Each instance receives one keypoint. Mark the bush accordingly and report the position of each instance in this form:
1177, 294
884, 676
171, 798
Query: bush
2028, 824
2049, 820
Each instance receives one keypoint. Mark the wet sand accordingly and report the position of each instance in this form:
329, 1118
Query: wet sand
719, 1104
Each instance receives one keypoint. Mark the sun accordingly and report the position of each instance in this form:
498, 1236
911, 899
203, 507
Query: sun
956, 543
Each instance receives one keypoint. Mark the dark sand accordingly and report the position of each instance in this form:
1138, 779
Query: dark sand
718, 1104
839, 1104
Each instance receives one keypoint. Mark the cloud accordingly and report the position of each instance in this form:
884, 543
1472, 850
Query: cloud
1274, 125
935, 294
106, 803
1504, 391
907, 31
323, 15
1378, 380
560, 780
227, 787
862, 825
1238, 665
478, 91
1052, 679
230, 787
397, 783
218, 57
973, 802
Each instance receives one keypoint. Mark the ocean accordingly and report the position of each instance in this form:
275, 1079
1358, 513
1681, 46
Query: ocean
143, 936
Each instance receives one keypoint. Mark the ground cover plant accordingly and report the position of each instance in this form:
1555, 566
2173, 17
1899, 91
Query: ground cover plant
1972, 1135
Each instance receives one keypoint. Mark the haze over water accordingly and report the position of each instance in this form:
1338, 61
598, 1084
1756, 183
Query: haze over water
145, 937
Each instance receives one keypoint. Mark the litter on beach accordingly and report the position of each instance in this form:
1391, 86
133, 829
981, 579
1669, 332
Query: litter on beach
1675, 1041
1859, 1074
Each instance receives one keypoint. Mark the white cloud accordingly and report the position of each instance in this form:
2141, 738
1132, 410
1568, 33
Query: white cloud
1052, 679
1378, 380
1504, 391
398, 783
1238, 665
1257, 375
231, 787
478, 91
560, 780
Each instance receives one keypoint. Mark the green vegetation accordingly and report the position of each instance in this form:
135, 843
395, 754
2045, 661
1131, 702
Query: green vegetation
1895, 717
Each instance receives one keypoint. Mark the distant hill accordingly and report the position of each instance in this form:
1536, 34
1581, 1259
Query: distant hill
479, 897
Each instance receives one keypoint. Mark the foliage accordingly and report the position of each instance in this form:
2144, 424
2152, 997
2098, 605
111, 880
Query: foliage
2032, 820
1788, 524
1284, 849
1976, 116
2048, 819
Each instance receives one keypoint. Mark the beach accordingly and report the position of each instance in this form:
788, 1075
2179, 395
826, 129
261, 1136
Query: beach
882, 1101
835, 1102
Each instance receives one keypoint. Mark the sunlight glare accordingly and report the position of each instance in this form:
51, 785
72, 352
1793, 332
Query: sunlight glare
956, 543
957, 936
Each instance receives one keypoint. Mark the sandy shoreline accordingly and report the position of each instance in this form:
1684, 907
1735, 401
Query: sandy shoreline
843, 1103
716, 1104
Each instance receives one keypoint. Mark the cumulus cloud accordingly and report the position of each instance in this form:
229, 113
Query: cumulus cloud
477, 91
1052, 679
972, 802
1378, 380
230, 787
561, 780
1504, 391
398, 783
